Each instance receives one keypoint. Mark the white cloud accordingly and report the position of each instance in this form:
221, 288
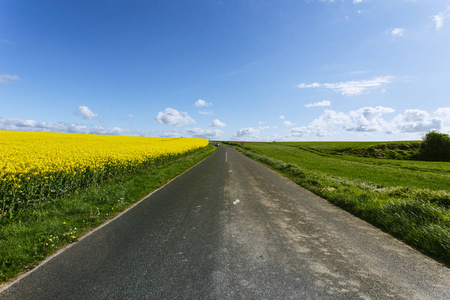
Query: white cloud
246, 134
217, 123
8, 78
202, 103
398, 31
416, 120
443, 113
320, 103
414, 115
369, 119
365, 119
328, 120
439, 21
85, 112
130, 116
320, 126
299, 131
440, 18
352, 88
282, 117
170, 134
108, 131
288, 123
32, 125
312, 85
173, 117
357, 1
204, 133
206, 113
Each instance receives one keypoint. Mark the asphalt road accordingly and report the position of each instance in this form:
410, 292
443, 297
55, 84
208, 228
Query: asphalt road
232, 229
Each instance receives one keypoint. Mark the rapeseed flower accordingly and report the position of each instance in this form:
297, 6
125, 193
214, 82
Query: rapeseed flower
37, 165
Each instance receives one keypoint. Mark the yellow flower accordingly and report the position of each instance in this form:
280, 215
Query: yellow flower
59, 161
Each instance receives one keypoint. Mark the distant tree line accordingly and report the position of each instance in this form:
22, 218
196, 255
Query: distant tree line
435, 146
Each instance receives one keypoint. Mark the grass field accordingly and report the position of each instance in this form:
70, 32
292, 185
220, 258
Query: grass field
326, 157
409, 199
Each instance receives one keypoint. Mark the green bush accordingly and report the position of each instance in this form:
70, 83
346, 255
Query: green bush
435, 146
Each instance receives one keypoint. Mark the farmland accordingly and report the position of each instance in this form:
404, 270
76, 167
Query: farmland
36, 167
409, 199
330, 158
56, 187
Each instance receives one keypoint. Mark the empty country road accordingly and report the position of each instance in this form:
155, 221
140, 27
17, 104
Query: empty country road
230, 228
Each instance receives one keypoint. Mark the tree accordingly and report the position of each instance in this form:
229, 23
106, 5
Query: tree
435, 146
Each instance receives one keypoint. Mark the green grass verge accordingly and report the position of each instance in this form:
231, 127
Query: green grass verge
418, 216
36, 233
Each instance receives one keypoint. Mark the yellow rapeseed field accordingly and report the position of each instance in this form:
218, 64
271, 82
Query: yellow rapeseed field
35, 165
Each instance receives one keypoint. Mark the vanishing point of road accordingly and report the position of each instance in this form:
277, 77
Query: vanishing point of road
230, 228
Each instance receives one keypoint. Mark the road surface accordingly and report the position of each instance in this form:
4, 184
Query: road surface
230, 228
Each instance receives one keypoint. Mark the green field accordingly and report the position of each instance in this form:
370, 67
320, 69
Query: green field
327, 157
409, 199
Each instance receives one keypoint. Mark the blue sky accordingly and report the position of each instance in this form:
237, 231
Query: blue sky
261, 70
